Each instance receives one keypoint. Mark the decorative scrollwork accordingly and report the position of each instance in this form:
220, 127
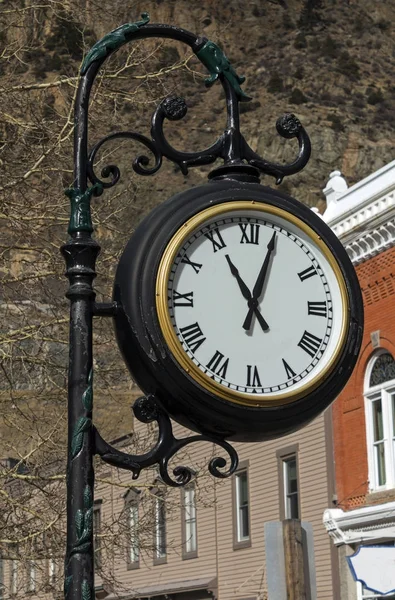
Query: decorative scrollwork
231, 146
146, 410
140, 163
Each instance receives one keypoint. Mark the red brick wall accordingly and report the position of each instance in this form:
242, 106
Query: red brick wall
377, 279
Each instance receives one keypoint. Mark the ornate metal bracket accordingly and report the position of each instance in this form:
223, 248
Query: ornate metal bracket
231, 146
147, 410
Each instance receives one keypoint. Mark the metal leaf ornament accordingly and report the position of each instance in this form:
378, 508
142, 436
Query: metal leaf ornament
112, 41
216, 62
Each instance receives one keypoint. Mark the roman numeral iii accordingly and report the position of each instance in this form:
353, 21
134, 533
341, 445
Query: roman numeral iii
318, 309
193, 336
218, 364
216, 239
250, 233
253, 379
182, 299
310, 343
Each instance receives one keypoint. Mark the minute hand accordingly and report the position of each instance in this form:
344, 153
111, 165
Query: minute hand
258, 287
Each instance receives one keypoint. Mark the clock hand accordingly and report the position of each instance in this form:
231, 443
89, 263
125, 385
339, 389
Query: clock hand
246, 292
258, 287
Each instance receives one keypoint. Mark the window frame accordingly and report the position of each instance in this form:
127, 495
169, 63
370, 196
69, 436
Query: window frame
237, 542
14, 568
132, 502
384, 392
31, 577
285, 455
188, 554
97, 545
159, 497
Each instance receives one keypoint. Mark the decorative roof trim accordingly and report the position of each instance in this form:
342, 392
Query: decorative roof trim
367, 524
378, 240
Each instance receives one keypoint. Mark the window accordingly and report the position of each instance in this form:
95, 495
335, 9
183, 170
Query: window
14, 571
189, 523
380, 421
241, 508
96, 535
288, 475
291, 499
31, 577
1, 578
134, 546
160, 529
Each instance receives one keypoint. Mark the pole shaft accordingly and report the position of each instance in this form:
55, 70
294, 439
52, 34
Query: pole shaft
80, 254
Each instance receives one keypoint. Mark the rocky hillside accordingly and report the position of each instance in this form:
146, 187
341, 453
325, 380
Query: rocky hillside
328, 61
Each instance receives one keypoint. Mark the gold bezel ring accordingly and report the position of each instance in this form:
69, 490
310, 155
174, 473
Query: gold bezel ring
173, 341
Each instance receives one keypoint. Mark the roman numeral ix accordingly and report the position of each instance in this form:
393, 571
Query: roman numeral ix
310, 343
182, 299
317, 308
253, 379
218, 364
216, 239
250, 233
193, 336
195, 266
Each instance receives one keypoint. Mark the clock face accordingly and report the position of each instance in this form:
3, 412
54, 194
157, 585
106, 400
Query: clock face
251, 303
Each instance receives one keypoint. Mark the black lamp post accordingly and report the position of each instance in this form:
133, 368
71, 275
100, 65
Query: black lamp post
241, 164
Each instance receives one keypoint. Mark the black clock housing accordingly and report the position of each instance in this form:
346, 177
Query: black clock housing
148, 356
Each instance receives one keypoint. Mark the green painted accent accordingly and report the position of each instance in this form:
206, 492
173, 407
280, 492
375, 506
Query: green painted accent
88, 499
84, 524
86, 591
80, 215
83, 424
87, 396
67, 583
112, 41
216, 62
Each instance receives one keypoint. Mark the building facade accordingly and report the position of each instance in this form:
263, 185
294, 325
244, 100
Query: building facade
363, 511
203, 541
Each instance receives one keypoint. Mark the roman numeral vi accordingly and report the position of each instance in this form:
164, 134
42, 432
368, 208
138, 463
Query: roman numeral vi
253, 379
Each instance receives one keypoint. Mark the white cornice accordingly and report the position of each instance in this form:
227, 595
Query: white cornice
362, 216
368, 524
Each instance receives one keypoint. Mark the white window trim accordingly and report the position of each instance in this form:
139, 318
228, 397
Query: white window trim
285, 462
190, 519
384, 392
239, 536
134, 546
160, 528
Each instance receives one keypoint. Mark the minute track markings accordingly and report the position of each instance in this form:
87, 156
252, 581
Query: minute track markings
231, 233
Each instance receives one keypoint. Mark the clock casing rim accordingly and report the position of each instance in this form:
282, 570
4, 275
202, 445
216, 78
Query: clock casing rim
147, 355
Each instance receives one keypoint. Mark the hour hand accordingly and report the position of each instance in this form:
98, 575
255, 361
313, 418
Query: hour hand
246, 293
243, 288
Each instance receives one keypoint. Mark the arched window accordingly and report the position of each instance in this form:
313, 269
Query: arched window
380, 420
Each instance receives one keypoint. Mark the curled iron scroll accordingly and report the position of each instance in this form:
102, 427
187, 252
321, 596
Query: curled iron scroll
148, 409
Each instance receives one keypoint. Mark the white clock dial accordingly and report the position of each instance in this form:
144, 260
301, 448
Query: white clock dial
255, 304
